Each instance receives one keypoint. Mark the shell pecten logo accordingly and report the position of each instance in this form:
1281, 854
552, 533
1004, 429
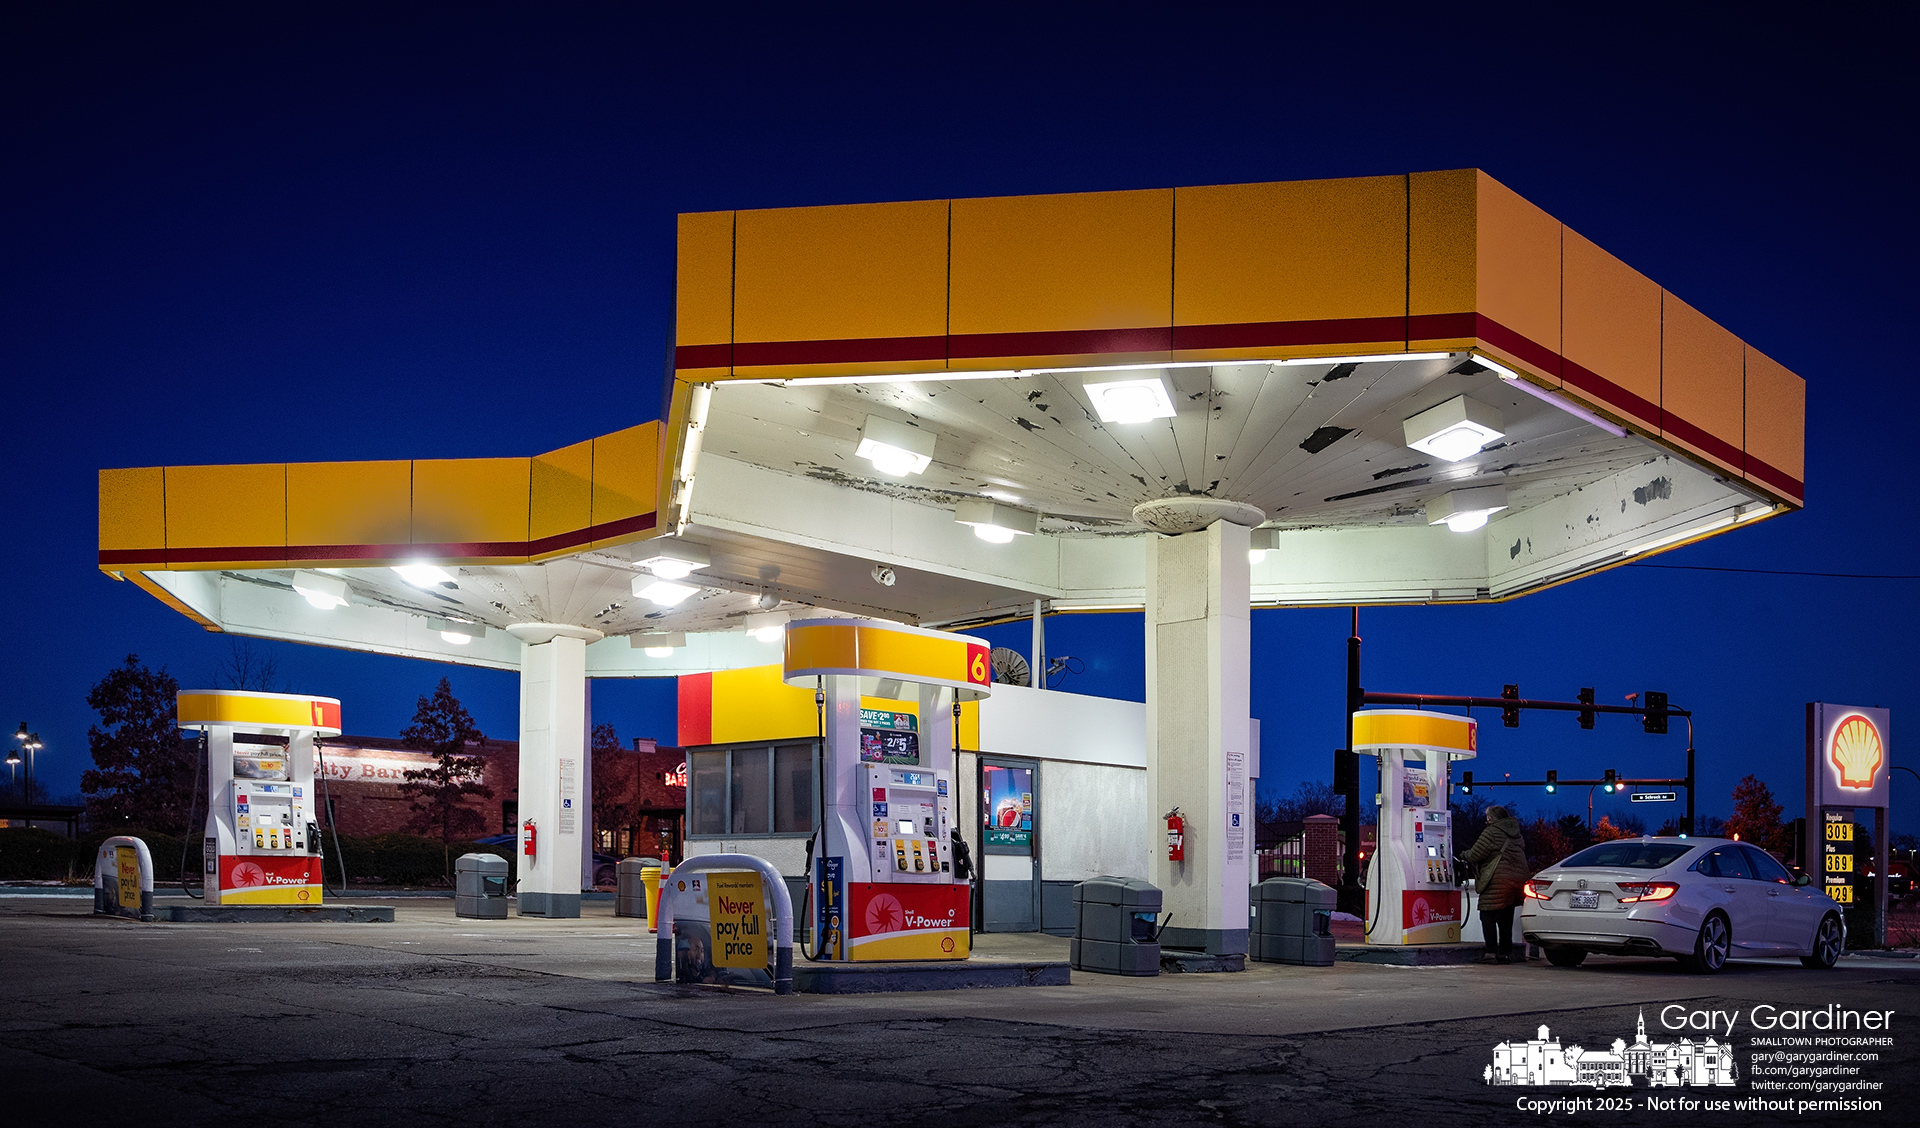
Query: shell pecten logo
1856, 751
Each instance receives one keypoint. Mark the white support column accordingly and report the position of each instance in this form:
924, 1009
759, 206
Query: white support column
1198, 760
553, 772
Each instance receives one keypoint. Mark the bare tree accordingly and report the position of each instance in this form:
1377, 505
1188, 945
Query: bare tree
247, 666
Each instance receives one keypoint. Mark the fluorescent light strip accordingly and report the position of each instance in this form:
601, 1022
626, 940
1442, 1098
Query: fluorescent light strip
944, 377
1544, 396
1377, 358
1684, 534
949, 376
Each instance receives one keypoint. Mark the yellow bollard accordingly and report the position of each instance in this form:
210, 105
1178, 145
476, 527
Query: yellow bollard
650, 877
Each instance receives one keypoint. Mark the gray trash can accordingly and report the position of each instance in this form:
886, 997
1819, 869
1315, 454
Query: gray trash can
629, 892
1293, 922
480, 886
1116, 926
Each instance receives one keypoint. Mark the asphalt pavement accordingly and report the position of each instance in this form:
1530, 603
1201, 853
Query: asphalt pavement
433, 1019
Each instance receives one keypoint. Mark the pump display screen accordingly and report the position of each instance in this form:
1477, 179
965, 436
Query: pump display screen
889, 746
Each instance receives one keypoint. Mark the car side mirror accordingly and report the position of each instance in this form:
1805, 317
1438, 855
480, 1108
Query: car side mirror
1803, 879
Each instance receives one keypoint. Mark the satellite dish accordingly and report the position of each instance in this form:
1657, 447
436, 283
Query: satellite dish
1009, 668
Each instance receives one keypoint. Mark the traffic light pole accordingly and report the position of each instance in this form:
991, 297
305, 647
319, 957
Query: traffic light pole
1351, 896
1511, 706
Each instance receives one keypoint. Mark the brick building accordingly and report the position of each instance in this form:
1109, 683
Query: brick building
639, 793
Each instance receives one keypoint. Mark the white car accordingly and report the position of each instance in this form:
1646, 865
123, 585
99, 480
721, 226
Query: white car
1703, 900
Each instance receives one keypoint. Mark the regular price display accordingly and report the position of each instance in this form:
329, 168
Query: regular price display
1839, 832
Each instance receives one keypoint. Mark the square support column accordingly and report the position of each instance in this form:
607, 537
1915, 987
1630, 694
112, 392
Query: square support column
553, 767
1198, 646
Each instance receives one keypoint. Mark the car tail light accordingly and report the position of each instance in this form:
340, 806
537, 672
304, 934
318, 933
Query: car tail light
1633, 891
1540, 890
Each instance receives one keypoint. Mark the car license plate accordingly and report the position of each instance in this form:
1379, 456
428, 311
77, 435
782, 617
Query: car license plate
1583, 899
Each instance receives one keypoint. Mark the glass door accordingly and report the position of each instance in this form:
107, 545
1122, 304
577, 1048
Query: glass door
1009, 845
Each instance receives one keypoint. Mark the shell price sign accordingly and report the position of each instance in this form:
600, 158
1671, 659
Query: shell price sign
739, 919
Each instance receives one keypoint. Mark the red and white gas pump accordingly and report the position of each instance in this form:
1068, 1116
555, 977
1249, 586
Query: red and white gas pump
263, 829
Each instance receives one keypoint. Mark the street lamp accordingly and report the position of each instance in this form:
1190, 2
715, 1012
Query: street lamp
29, 743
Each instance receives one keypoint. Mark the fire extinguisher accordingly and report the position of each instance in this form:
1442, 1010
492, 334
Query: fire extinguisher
1176, 836
527, 838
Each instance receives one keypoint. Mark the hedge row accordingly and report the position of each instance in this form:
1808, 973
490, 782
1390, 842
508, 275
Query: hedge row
33, 854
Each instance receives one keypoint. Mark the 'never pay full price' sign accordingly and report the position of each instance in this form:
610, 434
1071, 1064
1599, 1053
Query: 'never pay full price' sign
739, 920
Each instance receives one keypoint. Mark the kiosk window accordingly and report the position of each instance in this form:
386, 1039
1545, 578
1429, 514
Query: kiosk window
708, 794
793, 789
747, 811
751, 789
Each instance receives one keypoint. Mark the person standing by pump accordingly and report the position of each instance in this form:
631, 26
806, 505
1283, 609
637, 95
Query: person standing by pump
1500, 881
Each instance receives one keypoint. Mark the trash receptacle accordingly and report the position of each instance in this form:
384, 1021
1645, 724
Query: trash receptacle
1293, 922
1116, 926
629, 890
480, 886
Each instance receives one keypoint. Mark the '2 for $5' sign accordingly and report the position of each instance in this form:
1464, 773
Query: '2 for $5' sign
739, 919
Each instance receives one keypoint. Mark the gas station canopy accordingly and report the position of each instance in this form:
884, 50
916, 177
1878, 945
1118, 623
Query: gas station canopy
1419, 388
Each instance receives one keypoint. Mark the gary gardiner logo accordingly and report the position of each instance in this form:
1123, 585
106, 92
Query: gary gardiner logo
1544, 1060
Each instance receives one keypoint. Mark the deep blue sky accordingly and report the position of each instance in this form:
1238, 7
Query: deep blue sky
257, 233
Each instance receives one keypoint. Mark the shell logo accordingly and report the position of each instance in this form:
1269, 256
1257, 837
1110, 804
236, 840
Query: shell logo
1856, 752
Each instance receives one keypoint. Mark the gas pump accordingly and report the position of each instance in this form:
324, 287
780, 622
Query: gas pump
1412, 897
262, 842
884, 887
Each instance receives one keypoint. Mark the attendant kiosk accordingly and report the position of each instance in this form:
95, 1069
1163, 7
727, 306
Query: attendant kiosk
1412, 896
263, 829
883, 884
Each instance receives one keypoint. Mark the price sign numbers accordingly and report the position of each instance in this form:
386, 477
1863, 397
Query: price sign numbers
1839, 832
1839, 863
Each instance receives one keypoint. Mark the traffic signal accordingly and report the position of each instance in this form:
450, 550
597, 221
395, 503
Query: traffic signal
1655, 718
1510, 714
1346, 773
1612, 782
1586, 715
1466, 783
1553, 781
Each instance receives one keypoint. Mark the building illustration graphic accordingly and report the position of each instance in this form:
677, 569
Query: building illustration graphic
1545, 1061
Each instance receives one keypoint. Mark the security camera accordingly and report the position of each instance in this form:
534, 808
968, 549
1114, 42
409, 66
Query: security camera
766, 601
883, 575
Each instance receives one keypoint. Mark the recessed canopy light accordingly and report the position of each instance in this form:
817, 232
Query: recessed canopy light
1456, 429
459, 632
1130, 401
423, 575
1463, 511
994, 522
768, 626
671, 558
658, 644
324, 592
895, 449
1260, 542
661, 593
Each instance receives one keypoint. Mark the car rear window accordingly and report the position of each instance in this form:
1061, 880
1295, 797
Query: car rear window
1630, 854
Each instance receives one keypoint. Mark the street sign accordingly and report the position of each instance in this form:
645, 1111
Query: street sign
1652, 797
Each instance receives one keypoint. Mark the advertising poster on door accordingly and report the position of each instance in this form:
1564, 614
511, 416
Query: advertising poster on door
1008, 806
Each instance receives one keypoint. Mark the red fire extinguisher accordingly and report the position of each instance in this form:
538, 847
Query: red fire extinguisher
1176, 836
527, 838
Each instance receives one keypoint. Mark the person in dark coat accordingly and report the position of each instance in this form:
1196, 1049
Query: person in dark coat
1500, 879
